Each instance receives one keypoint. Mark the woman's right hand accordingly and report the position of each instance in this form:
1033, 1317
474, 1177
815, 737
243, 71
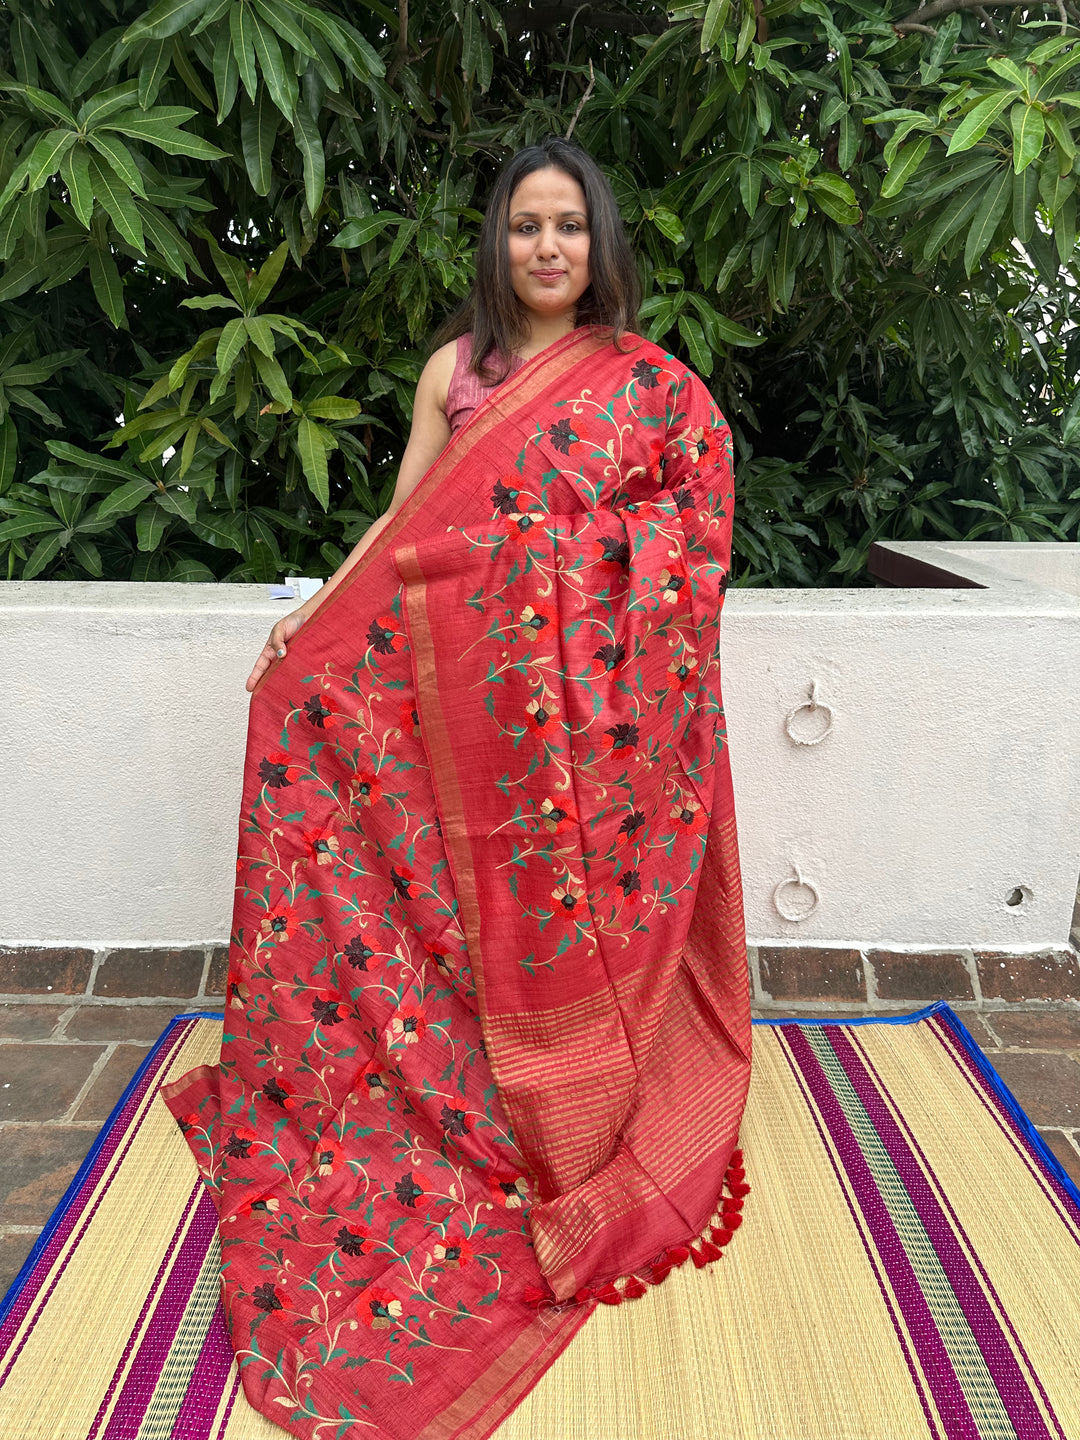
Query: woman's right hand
275, 647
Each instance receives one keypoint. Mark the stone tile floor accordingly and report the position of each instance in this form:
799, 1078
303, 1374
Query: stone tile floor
64, 1065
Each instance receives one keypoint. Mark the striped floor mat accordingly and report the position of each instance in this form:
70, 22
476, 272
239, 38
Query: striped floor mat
909, 1266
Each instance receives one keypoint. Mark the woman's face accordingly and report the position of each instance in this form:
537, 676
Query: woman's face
549, 243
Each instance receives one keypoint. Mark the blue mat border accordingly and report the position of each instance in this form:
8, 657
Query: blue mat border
939, 1007
73, 1189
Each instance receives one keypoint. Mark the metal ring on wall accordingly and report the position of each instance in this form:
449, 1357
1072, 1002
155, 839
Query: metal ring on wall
812, 704
800, 880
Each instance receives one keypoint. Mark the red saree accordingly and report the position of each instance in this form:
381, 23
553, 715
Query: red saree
487, 1035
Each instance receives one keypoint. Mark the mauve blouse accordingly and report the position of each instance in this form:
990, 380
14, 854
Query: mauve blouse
466, 389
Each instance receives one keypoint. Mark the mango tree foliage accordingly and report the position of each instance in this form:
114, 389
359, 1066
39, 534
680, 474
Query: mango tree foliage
229, 228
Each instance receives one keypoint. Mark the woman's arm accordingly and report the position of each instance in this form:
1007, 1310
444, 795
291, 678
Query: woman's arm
427, 440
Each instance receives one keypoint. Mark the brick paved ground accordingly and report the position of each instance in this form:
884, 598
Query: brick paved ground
67, 1053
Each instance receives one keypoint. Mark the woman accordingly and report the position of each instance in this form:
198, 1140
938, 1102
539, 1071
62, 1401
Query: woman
487, 1040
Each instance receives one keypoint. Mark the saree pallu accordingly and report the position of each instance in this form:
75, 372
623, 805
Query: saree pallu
487, 1034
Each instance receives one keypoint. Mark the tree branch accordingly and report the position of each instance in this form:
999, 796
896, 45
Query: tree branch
916, 19
522, 19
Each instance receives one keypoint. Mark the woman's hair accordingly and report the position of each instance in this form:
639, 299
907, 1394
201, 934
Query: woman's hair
494, 313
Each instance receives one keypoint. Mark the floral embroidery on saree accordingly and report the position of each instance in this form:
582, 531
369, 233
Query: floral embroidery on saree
487, 1029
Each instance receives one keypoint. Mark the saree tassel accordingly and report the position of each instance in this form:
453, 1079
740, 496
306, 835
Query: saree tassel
584, 1295
677, 1254
634, 1288
736, 1158
731, 1206
720, 1235
699, 1258
534, 1295
710, 1251
739, 1190
608, 1295
733, 1221
660, 1272
735, 1175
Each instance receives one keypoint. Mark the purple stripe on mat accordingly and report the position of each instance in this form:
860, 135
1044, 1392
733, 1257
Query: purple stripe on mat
208, 1382
228, 1409
860, 1230
142, 1378
151, 1296
1023, 1143
948, 1394
973, 1255
114, 1136
1009, 1380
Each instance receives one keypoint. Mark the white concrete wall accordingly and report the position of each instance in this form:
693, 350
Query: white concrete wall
950, 777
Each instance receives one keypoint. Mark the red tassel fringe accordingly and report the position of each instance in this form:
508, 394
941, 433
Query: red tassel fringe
708, 1248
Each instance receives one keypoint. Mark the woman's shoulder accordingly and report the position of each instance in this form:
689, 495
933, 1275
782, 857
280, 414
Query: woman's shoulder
438, 373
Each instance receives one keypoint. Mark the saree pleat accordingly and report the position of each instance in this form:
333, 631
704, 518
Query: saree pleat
488, 1032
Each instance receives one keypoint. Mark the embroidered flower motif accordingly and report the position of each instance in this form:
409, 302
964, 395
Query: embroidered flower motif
540, 713
688, 814
376, 1083
324, 1009
569, 897
520, 524
402, 878
239, 994
322, 845
360, 953
504, 498
630, 827
265, 1297
533, 620
454, 1122
326, 1157
278, 770
671, 582
383, 635
620, 737
608, 658
238, 1145
409, 1189
350, 1239
441, 961
280, 1092
453, 1253
320, 712
510, 1194
260, 1205
565, 434
410, 719
378, 1309
367, 788
645, 374
408, 1026
556, 818
683, 674
187, 1122
701, 443
657, 460
280, 923
630, 884
613, 553
683, 498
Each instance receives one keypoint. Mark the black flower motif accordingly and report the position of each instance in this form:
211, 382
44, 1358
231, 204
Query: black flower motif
615, 551
562, 435
349, 1242
274, 773
611, 656
275, 1092
683, 499
622, 737
630, 883
238, 1146
316, 711
632, 824
401, 881
645, 374
408, 1192
265, 1297
454, 1122
503, 499
381, 638
325, 1012
358, 952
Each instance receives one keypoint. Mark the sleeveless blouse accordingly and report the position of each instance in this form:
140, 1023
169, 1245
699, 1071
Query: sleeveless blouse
466, 389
